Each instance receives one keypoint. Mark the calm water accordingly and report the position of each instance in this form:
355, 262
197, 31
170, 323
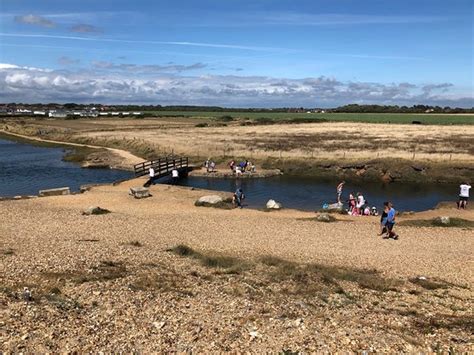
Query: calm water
25, 169
311, 194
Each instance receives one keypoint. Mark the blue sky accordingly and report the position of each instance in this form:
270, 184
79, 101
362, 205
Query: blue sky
238, 53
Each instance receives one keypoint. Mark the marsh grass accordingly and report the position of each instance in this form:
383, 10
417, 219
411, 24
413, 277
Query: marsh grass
106, 271
7, 252
304, 278
212, 260
453, 223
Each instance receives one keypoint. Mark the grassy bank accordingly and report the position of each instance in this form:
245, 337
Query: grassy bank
397, 118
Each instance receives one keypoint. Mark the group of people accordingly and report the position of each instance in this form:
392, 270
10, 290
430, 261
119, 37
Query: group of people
242, 167
210, 165
358, 206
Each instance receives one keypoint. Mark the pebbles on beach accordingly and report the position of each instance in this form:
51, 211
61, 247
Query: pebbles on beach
109, 283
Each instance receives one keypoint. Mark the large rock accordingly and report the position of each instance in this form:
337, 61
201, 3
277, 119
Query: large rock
55, 192
140, 192
94, 210
215, 201
209, 200
273, 205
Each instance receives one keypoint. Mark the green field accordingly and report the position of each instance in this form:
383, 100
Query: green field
435, 119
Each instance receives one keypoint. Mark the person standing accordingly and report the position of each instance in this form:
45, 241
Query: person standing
174, 176
390, 220
238, 197
463, 195
339, 191
151, 177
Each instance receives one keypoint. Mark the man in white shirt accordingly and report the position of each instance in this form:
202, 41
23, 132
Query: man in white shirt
463, 195
151, 175
174, 176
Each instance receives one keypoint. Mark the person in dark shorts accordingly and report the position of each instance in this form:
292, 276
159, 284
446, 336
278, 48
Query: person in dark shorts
390, 222
383, 219
463, 195
238, 197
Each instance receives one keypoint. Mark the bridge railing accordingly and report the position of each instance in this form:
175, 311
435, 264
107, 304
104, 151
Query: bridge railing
162, 166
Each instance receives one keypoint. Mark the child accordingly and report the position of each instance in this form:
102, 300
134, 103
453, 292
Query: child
352, 203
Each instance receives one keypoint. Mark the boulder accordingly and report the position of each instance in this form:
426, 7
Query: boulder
140, 192
273, 205
215, 201
443, 220
94, 210
325, 217
209, 200
55, 192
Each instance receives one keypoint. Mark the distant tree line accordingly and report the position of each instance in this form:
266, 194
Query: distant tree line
352, 108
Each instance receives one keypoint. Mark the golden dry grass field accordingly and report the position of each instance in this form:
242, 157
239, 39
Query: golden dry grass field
339, 141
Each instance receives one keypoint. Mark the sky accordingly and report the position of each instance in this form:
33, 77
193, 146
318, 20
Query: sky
238, 53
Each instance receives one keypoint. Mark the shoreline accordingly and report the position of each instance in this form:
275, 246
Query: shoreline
120, 159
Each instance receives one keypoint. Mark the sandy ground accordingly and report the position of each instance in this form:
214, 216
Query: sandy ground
204, 309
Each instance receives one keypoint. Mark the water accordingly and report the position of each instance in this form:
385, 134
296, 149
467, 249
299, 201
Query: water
25, 169
310, 194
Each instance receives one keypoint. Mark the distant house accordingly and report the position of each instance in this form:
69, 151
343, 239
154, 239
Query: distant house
39, 113
57, 114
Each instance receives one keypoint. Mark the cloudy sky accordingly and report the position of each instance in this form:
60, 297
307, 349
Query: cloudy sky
239, 53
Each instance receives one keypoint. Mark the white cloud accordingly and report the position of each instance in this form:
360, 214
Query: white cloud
35, 20
157, 86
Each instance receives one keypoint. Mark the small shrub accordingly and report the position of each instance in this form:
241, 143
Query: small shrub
429, 284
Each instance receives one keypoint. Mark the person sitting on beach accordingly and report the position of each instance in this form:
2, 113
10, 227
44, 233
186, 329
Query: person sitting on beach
242, 165
463, 195
212, 166
232, 164
339, 191
207, 164
352, 203
238, 171
238, 197
390, 221
360, 203
367, 211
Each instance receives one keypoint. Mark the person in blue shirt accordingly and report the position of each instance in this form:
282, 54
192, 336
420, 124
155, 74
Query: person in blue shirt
389, 221
238, 197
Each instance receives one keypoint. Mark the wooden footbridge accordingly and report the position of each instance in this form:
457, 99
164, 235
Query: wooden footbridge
163, 166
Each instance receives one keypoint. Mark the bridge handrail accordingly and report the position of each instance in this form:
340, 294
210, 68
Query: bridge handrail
162, 165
